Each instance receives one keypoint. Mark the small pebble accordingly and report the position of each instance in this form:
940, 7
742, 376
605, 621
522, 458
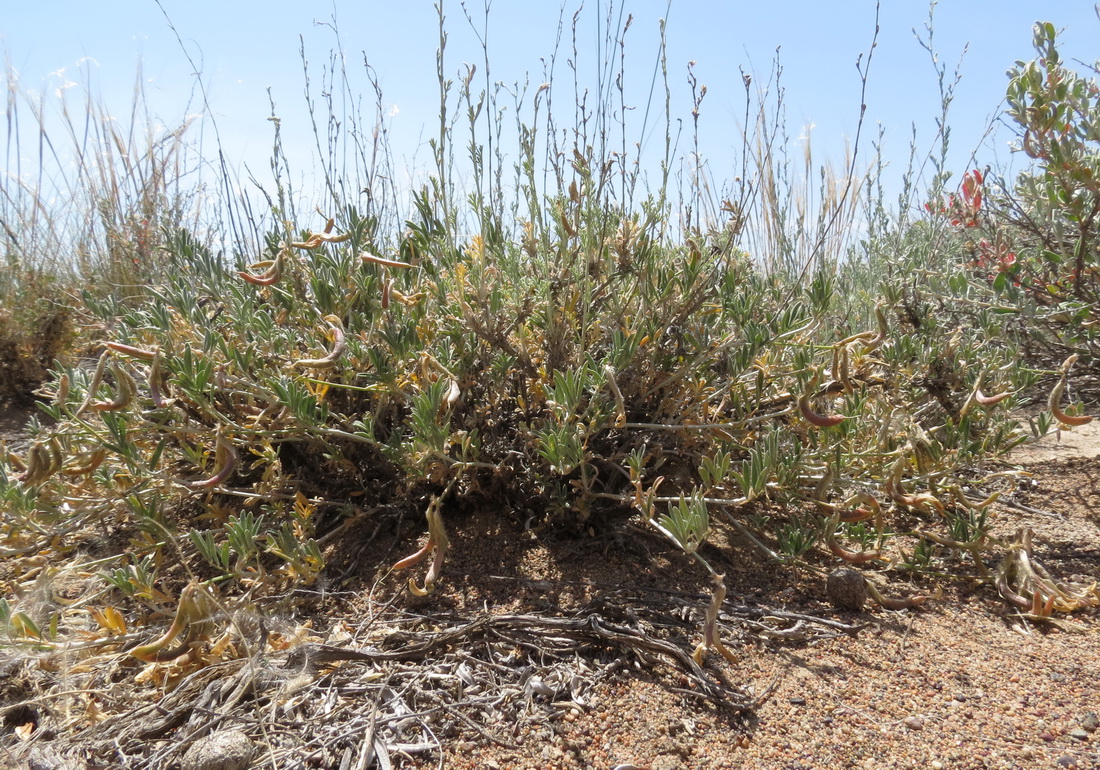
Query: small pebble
1079, 734
1067, 761
1089, 721
913, 723
797, 701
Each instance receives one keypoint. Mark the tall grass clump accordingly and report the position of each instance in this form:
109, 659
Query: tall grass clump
84, 200
587, 340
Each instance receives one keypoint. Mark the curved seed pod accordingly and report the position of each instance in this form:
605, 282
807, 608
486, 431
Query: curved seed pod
225, 460
453, 394
712, 639
883, 330
870, 508
416, 558
620, 404
926, 501
57, 454
845, 370
892, 483
43, 461
437, 539
996, 398
408, 300
193, 611
1054, 401
1030, 146
129, 350
126, 388
157, 381
1004, 569
856, 515
62, 390
853, 557
978, 397
909, 602
842, 364
17, 462
313, 240
93, 386
366, 256
1041, 608
434, 571
93, 460
268, 277
387, 288
972, 397
821, 491
812, 417
37, 466
339, 344
923, 501
970, 505
856, 338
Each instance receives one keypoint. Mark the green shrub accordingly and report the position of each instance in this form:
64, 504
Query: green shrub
592, 358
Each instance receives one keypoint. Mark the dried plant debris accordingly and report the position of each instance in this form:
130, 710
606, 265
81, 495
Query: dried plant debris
405, 689
1024, 582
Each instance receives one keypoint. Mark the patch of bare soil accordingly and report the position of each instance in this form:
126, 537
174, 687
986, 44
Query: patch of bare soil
13, 420
556, 649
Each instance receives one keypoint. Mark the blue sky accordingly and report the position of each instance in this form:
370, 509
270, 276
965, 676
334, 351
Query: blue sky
244, 49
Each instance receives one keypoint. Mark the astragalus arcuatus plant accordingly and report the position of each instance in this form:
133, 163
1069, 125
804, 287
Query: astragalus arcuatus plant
565, 352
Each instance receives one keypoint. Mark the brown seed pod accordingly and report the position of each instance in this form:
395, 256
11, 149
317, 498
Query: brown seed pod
985, 400
92, 460
922, 501
339, 344
225, 460
437, 542
1054, 401
850, 556
812, 417
270, 276
316, 239
93, 386
37, 466
906, 603
883, 331
126, 388
193, 612
366, 256
712, 639
129, 350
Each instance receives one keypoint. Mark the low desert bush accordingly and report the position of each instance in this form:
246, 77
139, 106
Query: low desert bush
576, 350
